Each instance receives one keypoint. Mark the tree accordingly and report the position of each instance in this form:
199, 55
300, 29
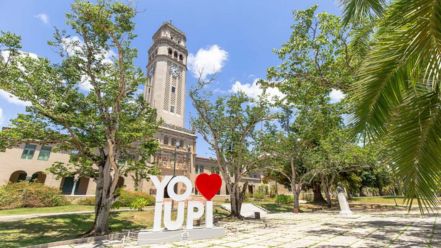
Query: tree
229, 126
316, 60
334, 156
398, 88
282, 152
100, 126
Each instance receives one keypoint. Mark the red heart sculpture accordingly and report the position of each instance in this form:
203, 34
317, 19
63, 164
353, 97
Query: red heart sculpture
208, 185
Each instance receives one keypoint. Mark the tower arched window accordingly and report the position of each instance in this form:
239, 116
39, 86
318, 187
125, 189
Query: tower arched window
170, 51
181, 57
175, 54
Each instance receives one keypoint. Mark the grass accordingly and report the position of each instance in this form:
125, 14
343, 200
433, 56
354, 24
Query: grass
390, 200
59, 209
43, 230
50, 229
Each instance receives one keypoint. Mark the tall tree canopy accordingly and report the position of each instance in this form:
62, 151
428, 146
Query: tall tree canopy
316, 60
100, 126
229, 126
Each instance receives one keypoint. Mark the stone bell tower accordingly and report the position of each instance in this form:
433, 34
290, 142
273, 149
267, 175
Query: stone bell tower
165, 91
166, 71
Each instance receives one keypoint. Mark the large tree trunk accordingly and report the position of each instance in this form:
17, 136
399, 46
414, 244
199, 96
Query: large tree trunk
296, 188
103, 202
296, 204
328, 197
236, 199
380, 190
361, 191
318, 197
327, 185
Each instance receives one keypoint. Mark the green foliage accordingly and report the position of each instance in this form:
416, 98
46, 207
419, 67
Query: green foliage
29, 195
284, 199
398, 92
100, 125
261, 192
131, 199
140, 203
312, 143
230, 125
89, 201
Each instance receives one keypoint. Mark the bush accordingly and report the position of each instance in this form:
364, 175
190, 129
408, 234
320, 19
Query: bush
30, 195
273, 191
259, 195
89, 201
284, 199
129, 198
139, 203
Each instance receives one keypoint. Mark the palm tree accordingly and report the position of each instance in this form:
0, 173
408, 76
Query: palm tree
397, 93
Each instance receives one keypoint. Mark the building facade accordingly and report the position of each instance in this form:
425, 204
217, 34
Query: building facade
165, 91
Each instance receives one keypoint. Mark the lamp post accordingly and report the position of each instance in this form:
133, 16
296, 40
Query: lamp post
174, 166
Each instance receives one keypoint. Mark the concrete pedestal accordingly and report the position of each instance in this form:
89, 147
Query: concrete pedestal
146, 237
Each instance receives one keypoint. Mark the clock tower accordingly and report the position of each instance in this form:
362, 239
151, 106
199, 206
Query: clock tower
166, 72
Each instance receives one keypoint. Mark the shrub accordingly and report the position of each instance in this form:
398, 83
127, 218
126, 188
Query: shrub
273, 191
127, 198
29, 195
262, 189
139, 203
284, 199
259, 195
89, 201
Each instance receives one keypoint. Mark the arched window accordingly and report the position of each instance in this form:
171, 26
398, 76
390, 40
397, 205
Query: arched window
17, 176
181, 57
175, 54
170, 51
38, 177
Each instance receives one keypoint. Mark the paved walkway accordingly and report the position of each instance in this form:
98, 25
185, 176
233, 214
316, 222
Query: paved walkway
385, 229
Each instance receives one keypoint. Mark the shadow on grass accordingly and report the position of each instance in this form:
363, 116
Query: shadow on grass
50, 229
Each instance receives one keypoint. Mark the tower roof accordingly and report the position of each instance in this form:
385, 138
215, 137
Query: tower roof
169, 25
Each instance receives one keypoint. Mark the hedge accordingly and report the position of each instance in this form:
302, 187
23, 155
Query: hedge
30, 195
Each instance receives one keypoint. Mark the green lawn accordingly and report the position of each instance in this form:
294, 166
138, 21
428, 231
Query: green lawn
55, 228
60, 209
50, 229
379, 200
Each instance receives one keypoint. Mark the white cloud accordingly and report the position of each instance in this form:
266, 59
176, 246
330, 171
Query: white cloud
207, 61
336, 96
44, 18
254, 90
13, 99
72, 45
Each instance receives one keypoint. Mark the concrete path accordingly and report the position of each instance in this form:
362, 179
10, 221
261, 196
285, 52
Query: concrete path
381, 229
247, 210
10, 218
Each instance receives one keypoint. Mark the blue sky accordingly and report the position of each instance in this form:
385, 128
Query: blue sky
235, 38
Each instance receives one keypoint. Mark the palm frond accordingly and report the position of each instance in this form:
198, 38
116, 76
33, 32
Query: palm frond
407, 51
398, 90
416, 146
357, 10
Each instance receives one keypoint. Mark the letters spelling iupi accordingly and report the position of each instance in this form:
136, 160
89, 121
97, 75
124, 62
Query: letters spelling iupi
195, 209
